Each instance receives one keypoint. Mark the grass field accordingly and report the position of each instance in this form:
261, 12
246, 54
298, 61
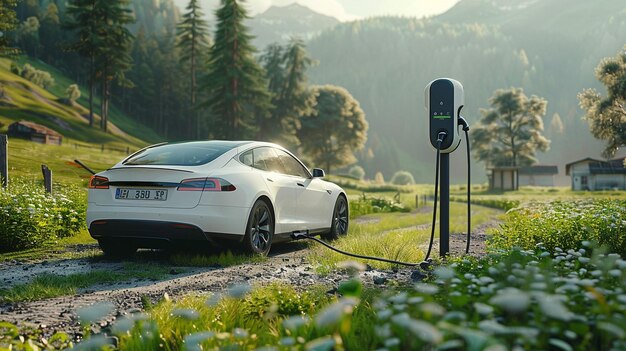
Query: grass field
23, 100
26, 158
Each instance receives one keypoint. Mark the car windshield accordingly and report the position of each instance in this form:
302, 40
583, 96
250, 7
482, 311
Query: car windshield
182, 154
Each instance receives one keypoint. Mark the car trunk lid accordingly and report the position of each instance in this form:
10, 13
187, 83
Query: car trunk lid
147, 186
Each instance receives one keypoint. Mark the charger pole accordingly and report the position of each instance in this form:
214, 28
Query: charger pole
444, 206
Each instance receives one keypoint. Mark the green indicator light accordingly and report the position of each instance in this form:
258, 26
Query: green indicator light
442, 117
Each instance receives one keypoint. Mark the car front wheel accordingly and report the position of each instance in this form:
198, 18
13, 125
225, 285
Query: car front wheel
260, 229
340, 220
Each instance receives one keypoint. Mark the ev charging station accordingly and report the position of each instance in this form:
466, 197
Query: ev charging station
444, 99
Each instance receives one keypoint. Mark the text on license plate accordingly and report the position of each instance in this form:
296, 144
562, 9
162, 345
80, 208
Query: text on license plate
141, 194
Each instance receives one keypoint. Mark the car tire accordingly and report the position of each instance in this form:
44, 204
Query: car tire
340, 221
116, 248
259, 229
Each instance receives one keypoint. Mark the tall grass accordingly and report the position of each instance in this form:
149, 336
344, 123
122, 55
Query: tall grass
397, 236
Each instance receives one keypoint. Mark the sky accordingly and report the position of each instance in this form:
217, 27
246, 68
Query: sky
346, 10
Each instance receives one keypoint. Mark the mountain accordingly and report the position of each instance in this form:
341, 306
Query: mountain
548, 47
279, 23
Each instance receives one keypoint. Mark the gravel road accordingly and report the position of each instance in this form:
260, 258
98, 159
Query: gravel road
287, 263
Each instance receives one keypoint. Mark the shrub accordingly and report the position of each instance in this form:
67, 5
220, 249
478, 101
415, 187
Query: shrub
379, 178
368, 204
503, 204
518, 300
357, 172
73, 92
30, 218
370, 188
402, 178
565, 225
38, 77
15, 69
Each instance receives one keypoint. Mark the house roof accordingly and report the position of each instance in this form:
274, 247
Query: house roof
588, 159
539, 170
503, 168
38, 128
614, 166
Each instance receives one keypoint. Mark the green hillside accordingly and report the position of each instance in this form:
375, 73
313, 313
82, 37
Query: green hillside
548, 47
23, 100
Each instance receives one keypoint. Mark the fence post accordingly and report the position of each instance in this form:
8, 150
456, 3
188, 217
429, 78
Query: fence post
127, 150
47, 178
4, 160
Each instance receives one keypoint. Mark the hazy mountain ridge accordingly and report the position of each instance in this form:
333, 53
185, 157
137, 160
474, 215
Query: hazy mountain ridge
279, 23
547, 48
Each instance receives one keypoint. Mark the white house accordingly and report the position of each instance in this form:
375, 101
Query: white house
592, 174
503, 178
539, 175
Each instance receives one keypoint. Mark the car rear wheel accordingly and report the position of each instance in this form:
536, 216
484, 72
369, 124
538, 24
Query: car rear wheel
340, 222
260, 229
116, 248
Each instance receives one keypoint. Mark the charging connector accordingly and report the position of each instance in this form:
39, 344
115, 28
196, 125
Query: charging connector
441, 136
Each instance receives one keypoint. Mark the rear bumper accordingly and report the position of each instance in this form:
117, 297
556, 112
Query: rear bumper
167, 223
152, 234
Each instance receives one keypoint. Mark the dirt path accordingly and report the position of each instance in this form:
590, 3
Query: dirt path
287, 263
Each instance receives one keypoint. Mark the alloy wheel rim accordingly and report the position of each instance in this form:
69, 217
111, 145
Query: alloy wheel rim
341, 218
260, 229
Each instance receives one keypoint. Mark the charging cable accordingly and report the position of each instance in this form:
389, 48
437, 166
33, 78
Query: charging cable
424, 264
440, 137
466, 128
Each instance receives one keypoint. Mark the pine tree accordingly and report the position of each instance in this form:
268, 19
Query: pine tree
238, 97
8, 22
193, 43
292, 99
114, 57
334, 130
102, 37
272, 60
510, 133
84, 22
50, 33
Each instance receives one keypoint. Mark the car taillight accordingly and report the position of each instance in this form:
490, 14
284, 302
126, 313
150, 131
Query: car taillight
98, 182
205, 184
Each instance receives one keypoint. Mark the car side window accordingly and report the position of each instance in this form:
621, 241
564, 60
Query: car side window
291, 165
265, 159
247, 158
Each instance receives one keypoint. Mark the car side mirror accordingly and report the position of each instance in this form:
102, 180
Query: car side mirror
318, 173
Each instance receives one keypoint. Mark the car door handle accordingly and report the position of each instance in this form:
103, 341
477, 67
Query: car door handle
300, 184
270, 180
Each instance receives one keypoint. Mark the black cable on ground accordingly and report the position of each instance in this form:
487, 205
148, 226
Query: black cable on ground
296, 236
304, 236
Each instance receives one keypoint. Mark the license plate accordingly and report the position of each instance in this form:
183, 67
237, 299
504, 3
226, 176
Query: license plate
141, 194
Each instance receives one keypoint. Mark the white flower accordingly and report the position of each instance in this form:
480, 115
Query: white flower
511, 300
95, 313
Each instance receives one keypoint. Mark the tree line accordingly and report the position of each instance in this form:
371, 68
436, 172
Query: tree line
186, 83
510, 133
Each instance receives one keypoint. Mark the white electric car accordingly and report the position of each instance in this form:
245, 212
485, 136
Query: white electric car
254, 193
